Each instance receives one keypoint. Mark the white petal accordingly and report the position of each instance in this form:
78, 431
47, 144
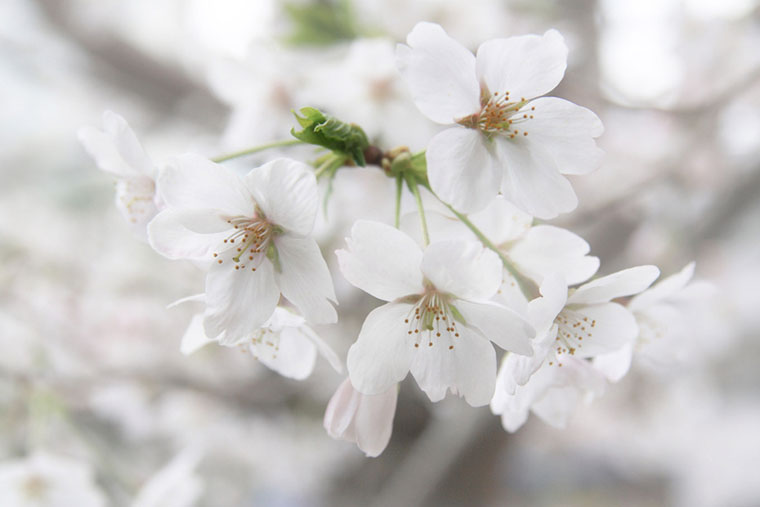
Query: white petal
513, 401
284, 317
374, 421
462, 169
101, 147
505, 383
239, 301
292, 356
501, 325
615, 365
581, 373
286, 191
364, 419
510, 295
383, 351
543, 310
576, 378
546, 249
501, 221
513, 420
526, 66
127, 144
381, 261
557, 405
614, 327
623, 283
523, 368
193, 182
664, 289
555, 118
195, 337
440, 74
468, 369
439, 225
169, 233
567, 132
341, 412
116, 149
305, 279
532, 181
462, 268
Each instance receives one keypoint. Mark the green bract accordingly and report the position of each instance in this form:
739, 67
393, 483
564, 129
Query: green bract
331, 133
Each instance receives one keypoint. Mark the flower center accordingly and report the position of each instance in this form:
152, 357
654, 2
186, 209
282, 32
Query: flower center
499, 114
572, 328
248, 242
264, 342
432, 319
136, 195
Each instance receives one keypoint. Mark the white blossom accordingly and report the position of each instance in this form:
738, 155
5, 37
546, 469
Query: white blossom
117, 151
572, 326
438, 320
254, 231
284, 343
503, 136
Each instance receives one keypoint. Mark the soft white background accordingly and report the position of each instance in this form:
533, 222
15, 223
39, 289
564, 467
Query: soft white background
90, 361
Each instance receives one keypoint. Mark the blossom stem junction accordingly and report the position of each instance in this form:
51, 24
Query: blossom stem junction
256, 149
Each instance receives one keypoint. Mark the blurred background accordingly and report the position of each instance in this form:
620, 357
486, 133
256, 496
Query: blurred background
90, 368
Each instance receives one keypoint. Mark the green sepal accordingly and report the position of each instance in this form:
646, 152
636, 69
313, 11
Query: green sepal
413, 168
329, 132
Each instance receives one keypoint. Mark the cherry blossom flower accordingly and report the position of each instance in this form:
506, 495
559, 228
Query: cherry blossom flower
117, 151
254, 231
503, 135
285, 344
48, 481
438, 320
366, 420
572, 326
665, 334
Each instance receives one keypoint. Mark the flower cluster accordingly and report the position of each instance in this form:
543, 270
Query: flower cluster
469, 269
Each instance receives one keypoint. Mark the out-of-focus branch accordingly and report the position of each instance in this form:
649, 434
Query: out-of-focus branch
728, 206
164, 85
